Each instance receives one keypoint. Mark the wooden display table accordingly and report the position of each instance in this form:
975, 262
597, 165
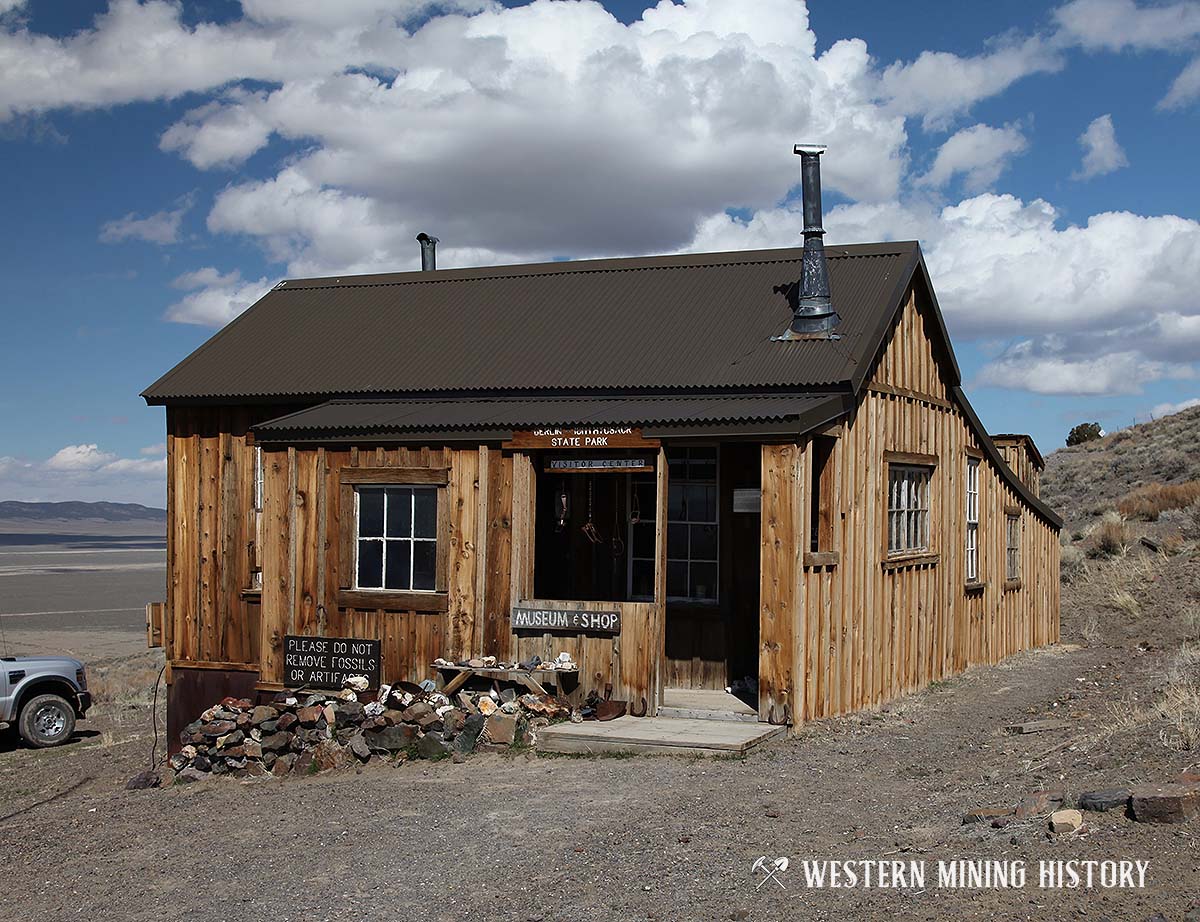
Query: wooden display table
522, 676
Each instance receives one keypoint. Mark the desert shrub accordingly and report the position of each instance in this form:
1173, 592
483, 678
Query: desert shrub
1091, 630
1191, 521
1114, 537
1149, 501
1172, 463
1191, 622
1123, 601
1072, 565
1180, 703
1084, 432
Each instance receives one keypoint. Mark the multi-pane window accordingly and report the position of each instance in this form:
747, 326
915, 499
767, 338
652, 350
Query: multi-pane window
692, 527
1012, 546
397, 537
908, 508
972, 520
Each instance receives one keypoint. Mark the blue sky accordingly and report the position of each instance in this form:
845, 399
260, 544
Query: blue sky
164, 164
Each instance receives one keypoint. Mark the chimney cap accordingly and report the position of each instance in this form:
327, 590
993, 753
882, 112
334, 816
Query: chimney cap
423, 237
810, 148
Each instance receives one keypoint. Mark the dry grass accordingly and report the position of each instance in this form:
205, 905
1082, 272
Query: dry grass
1072, 565
1149, 501
1191, 621
1113, 536
1180, 703
1091, 630
1123, 600
127, 681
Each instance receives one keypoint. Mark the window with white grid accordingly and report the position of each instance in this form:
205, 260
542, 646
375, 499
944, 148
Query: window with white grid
972, 520
1012, 546
397, 537
908, 508
258, 478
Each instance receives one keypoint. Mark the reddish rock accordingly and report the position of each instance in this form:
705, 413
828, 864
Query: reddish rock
1165, 803
215, 728
986, 815
501, 728
1040, 802
329, 755
253, 749
308, 717
286, 721
261, 713
413, 713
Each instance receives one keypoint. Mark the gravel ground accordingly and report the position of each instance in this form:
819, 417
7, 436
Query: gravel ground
524, 837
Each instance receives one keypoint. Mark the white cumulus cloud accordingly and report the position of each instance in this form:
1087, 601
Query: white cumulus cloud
979, 154
162, 227
215, 298
1101, 152
85, 472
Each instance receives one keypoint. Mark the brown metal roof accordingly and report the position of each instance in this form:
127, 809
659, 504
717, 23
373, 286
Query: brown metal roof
665, 323
469, 417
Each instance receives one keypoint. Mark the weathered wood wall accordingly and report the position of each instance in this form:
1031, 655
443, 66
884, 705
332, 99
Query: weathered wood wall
209, 616
850, 634
1018, 457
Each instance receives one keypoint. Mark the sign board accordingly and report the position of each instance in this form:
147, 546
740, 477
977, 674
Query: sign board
747, 499
533, 618
581, 437
591, 465
326, 662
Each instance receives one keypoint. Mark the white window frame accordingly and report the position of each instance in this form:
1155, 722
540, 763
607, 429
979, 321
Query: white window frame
258, 478
385, 540
972, 516
908, 508
681, 454
1012, 546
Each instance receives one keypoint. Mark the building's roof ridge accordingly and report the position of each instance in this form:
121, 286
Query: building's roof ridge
605, 264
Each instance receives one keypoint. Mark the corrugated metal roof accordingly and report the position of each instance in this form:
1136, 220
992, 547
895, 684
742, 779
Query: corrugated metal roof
665, 323
352, 418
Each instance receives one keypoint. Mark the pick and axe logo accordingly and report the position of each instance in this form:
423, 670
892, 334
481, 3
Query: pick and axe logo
771, 868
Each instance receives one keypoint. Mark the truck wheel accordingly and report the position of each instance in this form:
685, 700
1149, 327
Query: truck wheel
47, 720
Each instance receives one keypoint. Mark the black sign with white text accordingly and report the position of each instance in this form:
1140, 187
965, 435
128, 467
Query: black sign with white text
326, 662
566, 619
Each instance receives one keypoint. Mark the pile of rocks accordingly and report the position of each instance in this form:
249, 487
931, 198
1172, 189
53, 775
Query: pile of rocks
309, 733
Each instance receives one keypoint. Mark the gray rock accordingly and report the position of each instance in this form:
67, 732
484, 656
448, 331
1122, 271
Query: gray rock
190, 775
360, 748
143, 780
432, 746
391, 739
276, 742
1103, 801
348, 713
468, 736
261, 713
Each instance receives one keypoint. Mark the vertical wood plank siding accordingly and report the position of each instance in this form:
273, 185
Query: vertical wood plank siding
869, 632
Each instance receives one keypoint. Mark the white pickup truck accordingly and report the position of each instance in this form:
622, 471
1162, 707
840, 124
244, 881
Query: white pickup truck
43, 696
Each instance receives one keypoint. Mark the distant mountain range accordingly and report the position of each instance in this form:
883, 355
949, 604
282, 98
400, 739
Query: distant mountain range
71, 512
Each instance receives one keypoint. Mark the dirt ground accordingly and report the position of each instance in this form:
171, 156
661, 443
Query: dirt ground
524, 837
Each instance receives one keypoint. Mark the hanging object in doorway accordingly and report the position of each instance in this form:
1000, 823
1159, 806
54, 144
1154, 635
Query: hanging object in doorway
562, 507
589, 527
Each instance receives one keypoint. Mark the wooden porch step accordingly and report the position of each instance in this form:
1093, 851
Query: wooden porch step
657, 736
705, 704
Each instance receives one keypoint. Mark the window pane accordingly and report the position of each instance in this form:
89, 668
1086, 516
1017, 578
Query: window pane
643, 578
399, 559
643, 540
425, 513
704, 542
399, 512
370, 513
703, 468
677, 578
704, 581
675, 501
700, 502
642, 509
677, 542
424, 564
370, 564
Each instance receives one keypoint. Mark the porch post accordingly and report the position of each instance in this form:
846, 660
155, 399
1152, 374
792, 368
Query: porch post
660, 579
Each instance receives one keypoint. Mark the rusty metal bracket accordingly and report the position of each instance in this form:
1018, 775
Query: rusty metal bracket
644, 711
787, 716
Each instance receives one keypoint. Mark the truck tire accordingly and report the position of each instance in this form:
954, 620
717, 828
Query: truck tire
47, 720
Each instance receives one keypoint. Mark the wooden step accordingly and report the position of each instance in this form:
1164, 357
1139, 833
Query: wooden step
657, 736
684, 713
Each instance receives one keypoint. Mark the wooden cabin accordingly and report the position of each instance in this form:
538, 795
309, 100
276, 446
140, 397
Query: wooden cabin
620, 459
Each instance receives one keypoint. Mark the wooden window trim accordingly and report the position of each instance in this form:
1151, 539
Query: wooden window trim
901, 561
975, 453
975, 585
914, 458
394, 600
398, 476
822, 559
1012, 585
348, 530
1013, 510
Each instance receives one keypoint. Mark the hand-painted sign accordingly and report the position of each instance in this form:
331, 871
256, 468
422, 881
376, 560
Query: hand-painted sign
581, 437
570, 620
568, 465
326, 662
